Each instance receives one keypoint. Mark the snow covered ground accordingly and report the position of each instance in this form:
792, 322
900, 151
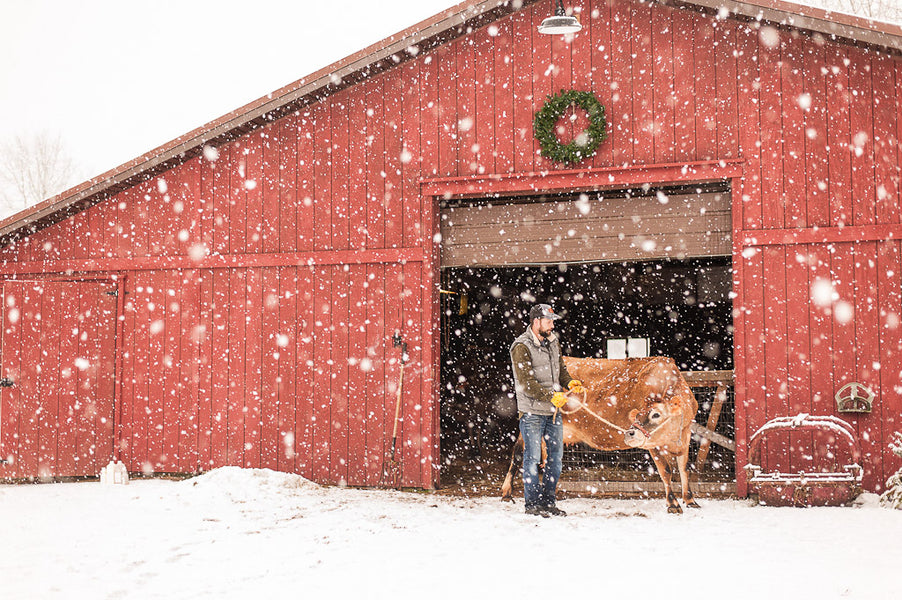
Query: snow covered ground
247, 533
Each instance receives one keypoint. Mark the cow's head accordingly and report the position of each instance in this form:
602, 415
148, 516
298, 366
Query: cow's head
652, 426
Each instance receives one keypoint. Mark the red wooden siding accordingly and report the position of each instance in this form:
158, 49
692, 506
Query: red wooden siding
58, 349
266, 278
823, 96
281, 403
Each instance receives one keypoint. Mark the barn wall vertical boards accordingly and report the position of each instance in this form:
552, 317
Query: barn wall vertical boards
272, 339
58, 353
266, 273
817, 257
263, 285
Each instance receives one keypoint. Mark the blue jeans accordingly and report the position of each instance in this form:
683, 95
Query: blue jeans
536, 428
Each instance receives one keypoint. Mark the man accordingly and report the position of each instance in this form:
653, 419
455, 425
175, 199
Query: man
540, 378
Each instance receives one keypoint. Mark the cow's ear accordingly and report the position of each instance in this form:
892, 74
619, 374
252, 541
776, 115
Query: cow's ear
633, 414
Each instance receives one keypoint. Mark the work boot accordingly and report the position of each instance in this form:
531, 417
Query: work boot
555, 511
538, 511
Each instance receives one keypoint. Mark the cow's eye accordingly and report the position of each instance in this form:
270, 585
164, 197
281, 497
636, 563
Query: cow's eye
655, 415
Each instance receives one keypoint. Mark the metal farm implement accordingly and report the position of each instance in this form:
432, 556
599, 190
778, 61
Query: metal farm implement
819, 486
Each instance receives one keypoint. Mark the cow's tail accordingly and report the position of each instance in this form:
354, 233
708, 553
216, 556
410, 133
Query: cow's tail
516, 462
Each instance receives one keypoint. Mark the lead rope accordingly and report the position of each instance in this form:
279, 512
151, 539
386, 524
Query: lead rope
582, 406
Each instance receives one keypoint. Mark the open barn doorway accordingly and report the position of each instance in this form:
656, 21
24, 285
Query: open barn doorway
632, 298
676, 308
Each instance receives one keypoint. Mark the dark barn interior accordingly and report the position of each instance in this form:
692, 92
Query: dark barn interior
682, 307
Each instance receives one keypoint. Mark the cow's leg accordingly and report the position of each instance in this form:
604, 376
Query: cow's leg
682, 464
666, 473
544, 456
516, 460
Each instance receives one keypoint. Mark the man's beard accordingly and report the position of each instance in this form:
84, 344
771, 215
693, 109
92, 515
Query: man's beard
545, 333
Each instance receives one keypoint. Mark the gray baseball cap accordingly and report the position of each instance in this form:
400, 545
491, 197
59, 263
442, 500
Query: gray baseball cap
543, 311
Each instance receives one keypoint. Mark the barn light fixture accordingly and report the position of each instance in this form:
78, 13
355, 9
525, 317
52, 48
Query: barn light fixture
560, 22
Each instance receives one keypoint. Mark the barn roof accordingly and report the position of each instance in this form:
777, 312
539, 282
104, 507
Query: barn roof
446, 25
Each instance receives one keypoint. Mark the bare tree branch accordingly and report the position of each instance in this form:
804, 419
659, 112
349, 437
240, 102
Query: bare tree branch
881, 10
33, 168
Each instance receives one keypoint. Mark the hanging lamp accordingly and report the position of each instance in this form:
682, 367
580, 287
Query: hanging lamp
560, 22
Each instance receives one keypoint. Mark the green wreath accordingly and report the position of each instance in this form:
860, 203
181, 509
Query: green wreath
547, 116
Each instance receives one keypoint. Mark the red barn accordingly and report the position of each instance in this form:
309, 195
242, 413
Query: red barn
230, 298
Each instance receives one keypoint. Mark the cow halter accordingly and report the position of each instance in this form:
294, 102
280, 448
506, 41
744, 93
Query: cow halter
637, 425
676, 436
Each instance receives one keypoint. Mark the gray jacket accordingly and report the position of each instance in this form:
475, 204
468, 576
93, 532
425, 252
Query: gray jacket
539, 371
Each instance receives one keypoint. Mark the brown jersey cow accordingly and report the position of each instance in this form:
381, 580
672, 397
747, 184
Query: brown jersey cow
629, 403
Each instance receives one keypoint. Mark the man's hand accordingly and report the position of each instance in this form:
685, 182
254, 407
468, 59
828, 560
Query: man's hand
576, 386
559, 399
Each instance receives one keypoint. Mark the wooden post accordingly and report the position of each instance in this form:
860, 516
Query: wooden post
713, 417
721, 380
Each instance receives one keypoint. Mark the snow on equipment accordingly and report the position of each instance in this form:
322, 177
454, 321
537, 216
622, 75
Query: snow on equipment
820, 487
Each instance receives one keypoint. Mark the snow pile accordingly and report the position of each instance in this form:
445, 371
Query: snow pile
248, 533
244, 485
893, 494
233, 493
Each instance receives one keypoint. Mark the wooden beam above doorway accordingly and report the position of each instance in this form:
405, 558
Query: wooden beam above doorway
543, 182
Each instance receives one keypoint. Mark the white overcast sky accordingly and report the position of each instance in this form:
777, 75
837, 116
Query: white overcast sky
116, 78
